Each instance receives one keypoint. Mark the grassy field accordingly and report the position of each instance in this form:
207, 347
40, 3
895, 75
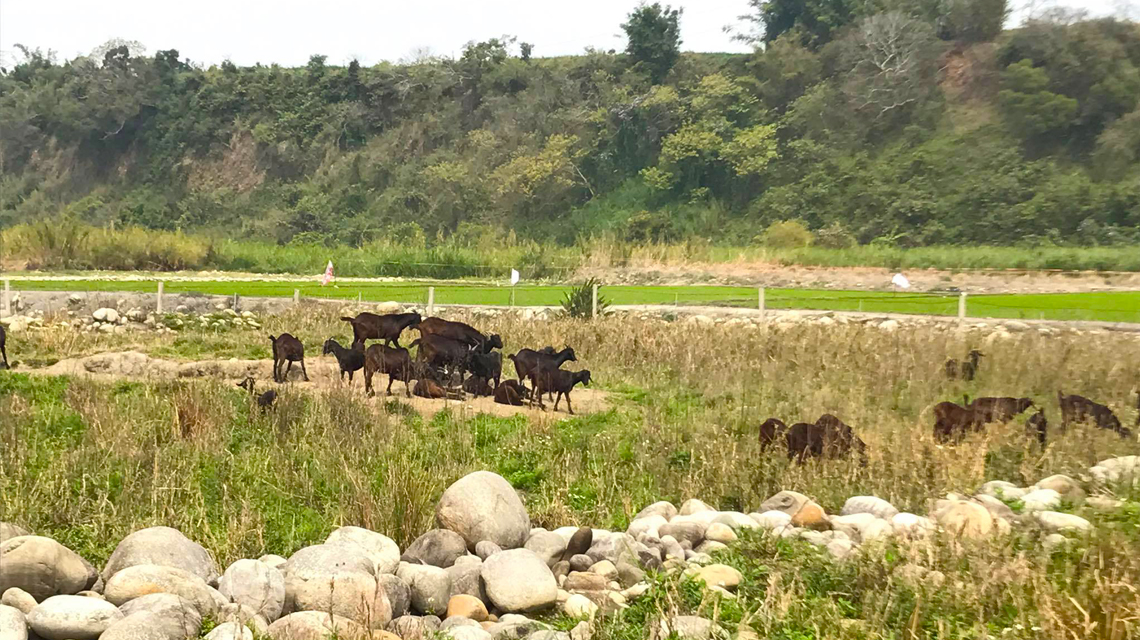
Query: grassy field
1103, 306
89, 461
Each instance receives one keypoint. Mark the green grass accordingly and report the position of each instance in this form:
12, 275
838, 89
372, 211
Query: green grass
1102, 306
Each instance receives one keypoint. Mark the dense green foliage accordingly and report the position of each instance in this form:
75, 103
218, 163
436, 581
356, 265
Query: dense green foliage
897, 122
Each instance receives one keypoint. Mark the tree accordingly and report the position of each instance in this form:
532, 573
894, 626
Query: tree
1029, 108
813, 23
970, 20
892, 60
654, 34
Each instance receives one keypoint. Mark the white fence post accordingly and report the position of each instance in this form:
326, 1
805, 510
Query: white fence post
431, 301
296, 296
6, 308
962, 306
761, 303
158, 299
594, 302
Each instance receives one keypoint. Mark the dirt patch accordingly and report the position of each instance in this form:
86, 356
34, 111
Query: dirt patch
324, 375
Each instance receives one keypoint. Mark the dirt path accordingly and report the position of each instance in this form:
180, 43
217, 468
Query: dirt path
324, 376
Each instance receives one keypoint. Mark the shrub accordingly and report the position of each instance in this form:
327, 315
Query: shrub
579, 301
835, 236
787, 234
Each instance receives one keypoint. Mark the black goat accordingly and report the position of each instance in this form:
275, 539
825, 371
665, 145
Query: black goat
393, 361
444, 353
965, 370
771, 429
1076, 408
829, 437
512, 393
460, 332
1037, 427
1003, 409
264, 401
488, 366
952, 422
3, 352
478, 386
528, 362
561, 382
388, 327
286, 348
350, 360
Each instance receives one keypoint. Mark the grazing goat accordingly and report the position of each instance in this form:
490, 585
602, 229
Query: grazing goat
264, 401
460, 332
952, 421
3, 352
388, 327
478, 386
428, 388
1076, 408
771, 429
286, 348
393, 361
528, 361
444, 353
511, 392
988, 410
965, 370
1037, 427
350, 360
488, 366
562, 382
829, 437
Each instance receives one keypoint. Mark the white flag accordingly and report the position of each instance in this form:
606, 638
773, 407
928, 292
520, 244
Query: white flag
327, 278
900, 281
514, 277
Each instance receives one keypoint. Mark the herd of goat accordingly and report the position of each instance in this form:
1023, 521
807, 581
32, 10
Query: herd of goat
447, 352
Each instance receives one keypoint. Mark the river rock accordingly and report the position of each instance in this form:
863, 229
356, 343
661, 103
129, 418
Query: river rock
352, 595
787, 501
579, 606
663, 509
519, 580
465, 632
688, 628
9, 530
579, 543
164, 547
869, 504
1069, 489
430, 587
467, 606
840, 548
483, 506
466, 578
145, 625
1002, 490
42, 567
693, 532
229, 631
72, 618
178, 614
1121, 470
414, 628
326, 560
810, 516
721, 533
1040, 500
909, 525
720, 575
273, 560
315, 625
244, 616
692, 505
13, 623
771, 519
438, 547
17, 598
485, 549
398, 591
965, 519
1056, 522
256, 585
585, 581
140, 580
548, 545
615, 547
385, 553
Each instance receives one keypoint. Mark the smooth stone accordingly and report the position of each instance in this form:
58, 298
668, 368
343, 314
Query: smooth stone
549, 546
398, 592
438, 548
692, 505
352, 595
772, 519
1040, 500
485, 549
141, 580
1069, 489
693, 532
43, 568
787, 501
164, 547
178, 613
811, 516
722, 533
581, 562
484, 506
466, 579
519, 580
1056, 522
256, 585
965, 519
869, 504
72, 618
840, 548
430, 587
467, 606
664, 509
720, 575
17, 598
13, 623
229, 631
579, 606
315, 625
383, 551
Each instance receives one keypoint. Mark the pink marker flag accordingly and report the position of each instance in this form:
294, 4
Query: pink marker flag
328, 274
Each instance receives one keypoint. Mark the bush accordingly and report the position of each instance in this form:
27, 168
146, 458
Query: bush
835, 236
787, 234
579, 301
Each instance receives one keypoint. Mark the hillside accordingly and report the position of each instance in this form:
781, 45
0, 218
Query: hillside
910, 126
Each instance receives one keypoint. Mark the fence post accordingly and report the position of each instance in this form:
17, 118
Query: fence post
158, 300
594, 302
761, 303
962, 306
431, 301
7, 307
296, 296
235, 301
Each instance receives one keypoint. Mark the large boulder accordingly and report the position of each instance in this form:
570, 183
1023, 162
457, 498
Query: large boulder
164, 547
430, 587
1040, 500
178, 614
382, 549
42, 567
518, 580
869, 504
144, 579
965, 519
1057, 522
328, 559
438, 547
146, 625
316, 625
13, 623
466, 578
254, 584
693, 532
483, 506
664, 509
398, 592
649, 525
352, 595
1070, 490
414, 627
693, 505
1121, 470
72, 618
9, 530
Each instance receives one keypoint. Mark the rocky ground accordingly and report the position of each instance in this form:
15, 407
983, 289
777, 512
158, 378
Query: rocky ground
485, 573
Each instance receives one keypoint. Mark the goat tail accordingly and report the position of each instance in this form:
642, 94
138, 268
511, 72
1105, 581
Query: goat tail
346, 319
272, 338
511, 357
415, 343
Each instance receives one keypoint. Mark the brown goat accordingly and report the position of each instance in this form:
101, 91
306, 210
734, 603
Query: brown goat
1003, 409
528, 362
286, 348
460, 332
428, 388
388, 327
562, 382
3, 352
512, 393
1037, 427
770, 430
1076, 408
829, 437
393, 361
952, 421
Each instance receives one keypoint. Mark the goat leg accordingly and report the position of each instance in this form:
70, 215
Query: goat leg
303, 372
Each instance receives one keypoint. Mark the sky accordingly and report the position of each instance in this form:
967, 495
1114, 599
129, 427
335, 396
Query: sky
287, 32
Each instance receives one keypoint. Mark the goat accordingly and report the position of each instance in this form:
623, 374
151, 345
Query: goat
264, 401
511, 392
987, 410
562, 382
460, 332
771, 429
3, 352
428, 388
388, 327
965, 370
1076, 408
1037, 427
528, 361
488, 366
478, 386
350, 360
442, 352
829, 437
952, 421
393, 361
286, 348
